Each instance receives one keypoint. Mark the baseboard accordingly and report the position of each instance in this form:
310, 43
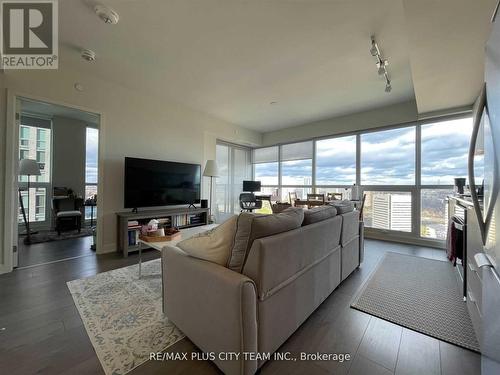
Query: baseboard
107, 248
4, 269
408, 241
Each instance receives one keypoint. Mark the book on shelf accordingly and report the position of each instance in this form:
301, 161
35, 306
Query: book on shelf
133, 237
133, 223
186, 219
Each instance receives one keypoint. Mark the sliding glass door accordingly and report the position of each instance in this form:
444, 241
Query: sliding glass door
234, 164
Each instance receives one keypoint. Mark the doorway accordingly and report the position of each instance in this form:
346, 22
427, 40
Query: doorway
57, 179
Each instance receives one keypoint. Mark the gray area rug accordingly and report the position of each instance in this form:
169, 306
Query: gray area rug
48, 236
420, 294
123, 316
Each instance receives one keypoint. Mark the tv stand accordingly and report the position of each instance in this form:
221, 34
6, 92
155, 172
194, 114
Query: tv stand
174, 217
134, 210
191, 205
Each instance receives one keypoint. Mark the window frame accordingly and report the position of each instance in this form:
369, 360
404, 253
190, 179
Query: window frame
35, 182
414, 189
86, 183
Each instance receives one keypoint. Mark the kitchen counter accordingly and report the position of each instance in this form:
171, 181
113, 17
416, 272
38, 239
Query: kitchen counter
465, 201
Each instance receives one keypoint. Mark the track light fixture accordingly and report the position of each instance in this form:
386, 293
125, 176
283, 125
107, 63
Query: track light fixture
381, 64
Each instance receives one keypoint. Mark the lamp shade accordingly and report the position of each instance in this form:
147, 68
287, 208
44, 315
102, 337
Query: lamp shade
29, 167
211, 169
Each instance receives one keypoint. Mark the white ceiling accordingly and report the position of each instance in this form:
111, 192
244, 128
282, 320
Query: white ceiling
231, 58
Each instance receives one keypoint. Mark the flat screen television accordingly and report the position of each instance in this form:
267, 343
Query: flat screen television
150, 183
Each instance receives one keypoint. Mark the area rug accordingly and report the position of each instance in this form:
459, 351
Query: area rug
123, 316
47, 236
420, 294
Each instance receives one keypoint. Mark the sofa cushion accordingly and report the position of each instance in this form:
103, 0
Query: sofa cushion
350, 227
71, 213
267, 225
213, 245
275, 261
240, 241
319, 213
343, 206
251, 226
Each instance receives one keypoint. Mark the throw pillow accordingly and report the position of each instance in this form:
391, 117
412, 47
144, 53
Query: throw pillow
317, 214
213, 245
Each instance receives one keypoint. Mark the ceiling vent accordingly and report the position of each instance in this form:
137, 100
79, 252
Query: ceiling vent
106, 14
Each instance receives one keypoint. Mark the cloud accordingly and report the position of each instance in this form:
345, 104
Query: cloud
387, 157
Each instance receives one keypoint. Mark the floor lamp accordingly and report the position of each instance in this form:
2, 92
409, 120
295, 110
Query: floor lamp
27, 167
211, 170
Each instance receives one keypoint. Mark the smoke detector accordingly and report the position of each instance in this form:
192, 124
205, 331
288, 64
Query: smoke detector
88, 55
106, 14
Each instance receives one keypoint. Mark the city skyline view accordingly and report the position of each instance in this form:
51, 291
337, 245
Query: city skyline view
444, 156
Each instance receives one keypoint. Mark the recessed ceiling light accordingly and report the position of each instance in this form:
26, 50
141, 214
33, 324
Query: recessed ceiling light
106, 14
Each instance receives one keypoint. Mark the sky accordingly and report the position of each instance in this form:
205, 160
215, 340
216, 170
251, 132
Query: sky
387, 158
91, 155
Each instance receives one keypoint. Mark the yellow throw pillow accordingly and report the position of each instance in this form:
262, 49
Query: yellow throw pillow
213, 245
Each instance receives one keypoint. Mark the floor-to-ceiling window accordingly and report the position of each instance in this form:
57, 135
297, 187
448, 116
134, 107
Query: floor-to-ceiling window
35, 143
445, 148
234, 163
91, 168
335, 168
406, 172
266, 169
388, 178
296, 169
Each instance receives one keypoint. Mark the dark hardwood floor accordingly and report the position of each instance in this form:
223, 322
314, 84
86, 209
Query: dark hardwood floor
45, 252
44, 334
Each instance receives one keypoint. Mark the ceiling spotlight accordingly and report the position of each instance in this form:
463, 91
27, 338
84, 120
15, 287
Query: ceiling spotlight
381, 64
106, 14
88, 55
381, 67
374, 50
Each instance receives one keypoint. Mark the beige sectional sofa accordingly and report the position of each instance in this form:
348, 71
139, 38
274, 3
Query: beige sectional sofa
285, 277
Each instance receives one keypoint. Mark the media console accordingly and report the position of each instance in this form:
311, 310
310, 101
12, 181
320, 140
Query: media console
129, 223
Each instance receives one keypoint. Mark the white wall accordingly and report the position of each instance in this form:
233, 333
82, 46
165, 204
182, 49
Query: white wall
386, 116
68, 157
134, 124
3, 105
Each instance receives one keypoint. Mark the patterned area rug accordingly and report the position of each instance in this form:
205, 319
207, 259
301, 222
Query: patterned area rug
420, 294
123, 316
